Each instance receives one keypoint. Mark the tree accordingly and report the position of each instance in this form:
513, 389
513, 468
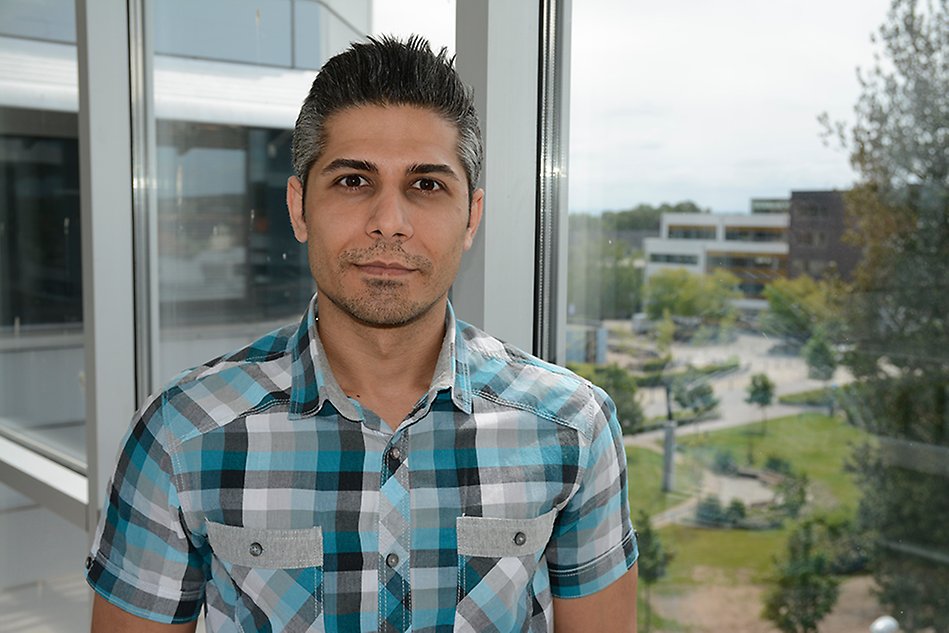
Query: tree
654, 559
792, 492
896, 313
695, 394
797, 306
684, 294
821, 363
804, 590
761, 393
665, 333
820, 358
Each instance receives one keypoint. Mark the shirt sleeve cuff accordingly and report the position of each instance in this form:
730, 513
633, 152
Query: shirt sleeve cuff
596, 575
141, 601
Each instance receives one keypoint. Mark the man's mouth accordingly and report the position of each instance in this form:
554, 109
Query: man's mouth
384, 269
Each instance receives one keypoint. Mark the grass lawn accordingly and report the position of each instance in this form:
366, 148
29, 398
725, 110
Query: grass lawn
645, 481
812, 442
706, 555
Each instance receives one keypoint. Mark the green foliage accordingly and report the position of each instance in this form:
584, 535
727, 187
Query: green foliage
724, 463
804, 590
621, 386
896, 314
796, 307
820, 357
709, 511
665, 333
792, 494
657, 364
810, 397
760, 391
654, 559
778, 464
694, 394
683, 294
735, 513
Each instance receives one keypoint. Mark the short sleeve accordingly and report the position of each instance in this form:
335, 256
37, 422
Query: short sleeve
142, 560
593, 543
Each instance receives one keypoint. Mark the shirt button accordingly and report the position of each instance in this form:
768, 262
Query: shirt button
88, 562
392, 560
395, 453
520, 538
256, 549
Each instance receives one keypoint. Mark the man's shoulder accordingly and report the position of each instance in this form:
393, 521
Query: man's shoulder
509, 376
251, 379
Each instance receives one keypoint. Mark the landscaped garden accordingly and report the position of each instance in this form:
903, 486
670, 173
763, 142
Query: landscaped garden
717, 566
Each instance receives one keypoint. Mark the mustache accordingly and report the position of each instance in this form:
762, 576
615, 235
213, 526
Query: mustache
391, 251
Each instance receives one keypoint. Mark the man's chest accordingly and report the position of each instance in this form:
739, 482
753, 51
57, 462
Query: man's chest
390, 529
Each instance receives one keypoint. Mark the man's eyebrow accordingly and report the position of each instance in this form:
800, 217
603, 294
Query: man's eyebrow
349, 163
432, 168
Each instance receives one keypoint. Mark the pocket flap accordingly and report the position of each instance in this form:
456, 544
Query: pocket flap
265, 548
496, 538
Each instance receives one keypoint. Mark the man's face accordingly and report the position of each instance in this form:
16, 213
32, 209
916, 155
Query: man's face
386, 216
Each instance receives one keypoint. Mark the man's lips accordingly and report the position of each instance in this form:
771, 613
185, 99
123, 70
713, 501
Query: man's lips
384, 269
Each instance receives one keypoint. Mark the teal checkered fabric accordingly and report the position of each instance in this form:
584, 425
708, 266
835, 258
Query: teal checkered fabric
253, 487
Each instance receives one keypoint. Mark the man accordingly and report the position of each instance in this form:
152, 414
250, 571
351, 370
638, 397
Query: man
381, 466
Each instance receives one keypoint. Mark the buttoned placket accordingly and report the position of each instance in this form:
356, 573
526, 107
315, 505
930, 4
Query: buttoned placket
395, 525
395, 595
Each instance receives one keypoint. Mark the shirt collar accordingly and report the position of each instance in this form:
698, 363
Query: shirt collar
313, 382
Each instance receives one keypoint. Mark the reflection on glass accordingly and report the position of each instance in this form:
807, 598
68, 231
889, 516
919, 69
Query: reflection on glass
781, 373
228, 268
41, 347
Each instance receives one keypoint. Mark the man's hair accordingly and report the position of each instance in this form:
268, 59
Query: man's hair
388, 72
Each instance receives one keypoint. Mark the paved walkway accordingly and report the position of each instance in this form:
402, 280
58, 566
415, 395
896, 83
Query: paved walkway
789, 375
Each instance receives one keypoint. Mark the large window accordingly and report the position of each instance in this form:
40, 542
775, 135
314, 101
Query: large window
785, 401
41, 348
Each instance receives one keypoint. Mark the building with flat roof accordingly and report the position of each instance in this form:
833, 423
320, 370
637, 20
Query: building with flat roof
752, 246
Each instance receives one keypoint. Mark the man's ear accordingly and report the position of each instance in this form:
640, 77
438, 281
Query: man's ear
295, 207
475, 211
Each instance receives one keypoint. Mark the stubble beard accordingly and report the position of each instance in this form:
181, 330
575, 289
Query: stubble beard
381, 302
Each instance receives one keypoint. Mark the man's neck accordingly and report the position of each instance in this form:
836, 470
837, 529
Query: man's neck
385, 369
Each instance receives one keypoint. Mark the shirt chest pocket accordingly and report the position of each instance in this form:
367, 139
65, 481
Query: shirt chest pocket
274, 578
497, 561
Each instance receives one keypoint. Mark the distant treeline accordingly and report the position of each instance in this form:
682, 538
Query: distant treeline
642, 217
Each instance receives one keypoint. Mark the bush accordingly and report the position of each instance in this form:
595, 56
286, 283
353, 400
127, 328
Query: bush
812, 397
657, 364
709, 511
735, 513
724, 463
777, 464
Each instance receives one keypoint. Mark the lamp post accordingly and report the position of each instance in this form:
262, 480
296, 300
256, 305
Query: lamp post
669, 445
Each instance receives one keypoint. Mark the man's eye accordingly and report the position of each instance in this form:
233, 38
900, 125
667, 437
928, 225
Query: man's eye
427, 184
353, 181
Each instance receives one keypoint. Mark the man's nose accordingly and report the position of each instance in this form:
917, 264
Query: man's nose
390, 215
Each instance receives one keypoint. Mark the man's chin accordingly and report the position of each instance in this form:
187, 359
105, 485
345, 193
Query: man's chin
382, 312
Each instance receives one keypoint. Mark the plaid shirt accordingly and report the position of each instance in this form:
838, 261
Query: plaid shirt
254, 485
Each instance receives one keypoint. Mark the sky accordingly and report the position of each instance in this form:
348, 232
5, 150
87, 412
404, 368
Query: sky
714, 102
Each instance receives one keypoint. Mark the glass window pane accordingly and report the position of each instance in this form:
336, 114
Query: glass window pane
767, 307
41, 343
228, 267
